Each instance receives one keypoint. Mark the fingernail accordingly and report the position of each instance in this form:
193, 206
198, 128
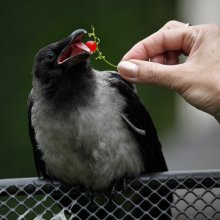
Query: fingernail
128, 69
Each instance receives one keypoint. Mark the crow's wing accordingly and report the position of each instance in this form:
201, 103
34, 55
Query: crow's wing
140, 124
39, 163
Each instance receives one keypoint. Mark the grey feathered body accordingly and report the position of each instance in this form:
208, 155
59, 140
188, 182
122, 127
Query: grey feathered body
87, 144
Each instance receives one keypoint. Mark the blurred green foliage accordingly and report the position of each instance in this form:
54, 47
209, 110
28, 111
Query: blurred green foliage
27, 26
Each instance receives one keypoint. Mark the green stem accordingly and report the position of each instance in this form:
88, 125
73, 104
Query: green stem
110, 64
100, 56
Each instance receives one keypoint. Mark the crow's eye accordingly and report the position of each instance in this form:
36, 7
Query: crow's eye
50, 56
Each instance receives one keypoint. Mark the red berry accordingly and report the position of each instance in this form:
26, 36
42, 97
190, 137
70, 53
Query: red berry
92, 45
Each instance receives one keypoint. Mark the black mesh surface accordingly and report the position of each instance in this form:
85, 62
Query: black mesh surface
169, 195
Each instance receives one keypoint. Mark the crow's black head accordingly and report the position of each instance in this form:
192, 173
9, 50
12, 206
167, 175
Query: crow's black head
63, 66
58, 58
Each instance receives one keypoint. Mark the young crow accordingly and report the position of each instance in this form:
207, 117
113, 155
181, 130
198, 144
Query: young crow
86, 126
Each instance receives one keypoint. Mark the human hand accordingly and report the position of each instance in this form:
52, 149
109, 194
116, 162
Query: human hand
197, 80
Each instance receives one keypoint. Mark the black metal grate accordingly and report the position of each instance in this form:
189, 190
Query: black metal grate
189, 195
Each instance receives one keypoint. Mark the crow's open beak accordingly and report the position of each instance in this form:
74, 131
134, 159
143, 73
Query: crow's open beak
75, 51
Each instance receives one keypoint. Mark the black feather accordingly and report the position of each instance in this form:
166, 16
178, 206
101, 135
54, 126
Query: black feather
137, 114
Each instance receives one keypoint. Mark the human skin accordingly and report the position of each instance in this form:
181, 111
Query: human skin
155, 60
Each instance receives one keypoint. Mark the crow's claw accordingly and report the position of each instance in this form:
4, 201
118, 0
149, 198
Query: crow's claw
118, 185
91, 195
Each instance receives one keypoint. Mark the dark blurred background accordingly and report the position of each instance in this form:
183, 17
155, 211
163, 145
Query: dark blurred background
189, 137
26, 26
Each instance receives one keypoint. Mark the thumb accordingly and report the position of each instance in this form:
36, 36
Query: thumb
146, 72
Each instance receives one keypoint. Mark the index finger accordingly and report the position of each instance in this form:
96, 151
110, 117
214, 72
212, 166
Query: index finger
164, 40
